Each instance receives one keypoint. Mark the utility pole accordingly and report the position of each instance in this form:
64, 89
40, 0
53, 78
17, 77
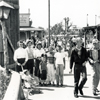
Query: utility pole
87, 20
85, 32
95, 19
49, 20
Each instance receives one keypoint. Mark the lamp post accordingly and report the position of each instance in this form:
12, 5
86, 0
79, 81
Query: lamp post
4, 14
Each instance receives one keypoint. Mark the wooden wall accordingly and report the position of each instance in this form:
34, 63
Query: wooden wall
12, 27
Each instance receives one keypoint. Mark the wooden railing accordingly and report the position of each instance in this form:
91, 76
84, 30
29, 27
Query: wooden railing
14, 90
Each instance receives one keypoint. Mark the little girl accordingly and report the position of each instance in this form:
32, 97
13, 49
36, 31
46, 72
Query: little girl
43, 69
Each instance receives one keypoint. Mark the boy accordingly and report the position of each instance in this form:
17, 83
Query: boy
43, 69
59, 65
50, 66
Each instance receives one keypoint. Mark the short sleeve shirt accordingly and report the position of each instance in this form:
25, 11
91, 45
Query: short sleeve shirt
59, 57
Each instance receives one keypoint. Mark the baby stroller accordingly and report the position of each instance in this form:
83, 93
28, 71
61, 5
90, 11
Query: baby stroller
29, 82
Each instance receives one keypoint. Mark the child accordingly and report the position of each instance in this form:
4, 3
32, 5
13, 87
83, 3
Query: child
60, 65
43, 69
50, 66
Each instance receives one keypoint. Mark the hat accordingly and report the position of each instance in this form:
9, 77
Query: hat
59, 45
95, 41
28, 40
39, 42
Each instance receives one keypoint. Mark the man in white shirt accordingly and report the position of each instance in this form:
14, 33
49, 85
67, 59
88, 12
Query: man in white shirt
59, 65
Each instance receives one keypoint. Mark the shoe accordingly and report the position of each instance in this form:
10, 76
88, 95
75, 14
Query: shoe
61, 85
97, 90
41, 85
94, 93
81, 92
57, 85
75, 95
53, 84
49, 83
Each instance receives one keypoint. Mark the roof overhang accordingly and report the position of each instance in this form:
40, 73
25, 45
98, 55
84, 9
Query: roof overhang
31, 29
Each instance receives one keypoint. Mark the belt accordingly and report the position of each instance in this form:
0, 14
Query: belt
78, 64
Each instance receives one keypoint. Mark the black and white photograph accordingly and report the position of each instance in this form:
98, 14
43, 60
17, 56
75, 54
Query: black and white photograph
49, 49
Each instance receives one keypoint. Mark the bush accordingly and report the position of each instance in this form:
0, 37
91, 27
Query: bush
5, 77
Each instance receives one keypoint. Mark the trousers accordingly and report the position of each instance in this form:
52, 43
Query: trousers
59, 73
78, 71
95, 75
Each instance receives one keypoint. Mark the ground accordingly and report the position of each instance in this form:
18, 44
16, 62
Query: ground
66, 92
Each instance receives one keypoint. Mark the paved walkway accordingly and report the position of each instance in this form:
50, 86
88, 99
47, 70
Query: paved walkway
66, 92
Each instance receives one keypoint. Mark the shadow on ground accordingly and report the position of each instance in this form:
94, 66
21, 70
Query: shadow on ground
92, 97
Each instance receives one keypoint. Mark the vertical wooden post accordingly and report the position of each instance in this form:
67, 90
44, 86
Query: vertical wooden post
4, 43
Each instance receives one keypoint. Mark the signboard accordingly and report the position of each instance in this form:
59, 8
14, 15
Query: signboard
24, 19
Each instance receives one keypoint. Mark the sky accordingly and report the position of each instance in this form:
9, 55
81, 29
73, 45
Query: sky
76, 10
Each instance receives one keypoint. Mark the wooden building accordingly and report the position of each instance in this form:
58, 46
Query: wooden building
91, 32
26, 29
12, 30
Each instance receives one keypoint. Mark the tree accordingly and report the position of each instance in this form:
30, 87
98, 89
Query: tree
57, 29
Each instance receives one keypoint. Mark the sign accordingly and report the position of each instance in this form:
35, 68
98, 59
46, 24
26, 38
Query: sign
24, 19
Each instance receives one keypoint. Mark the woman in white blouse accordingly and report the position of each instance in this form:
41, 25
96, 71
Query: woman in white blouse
20, 56
30, 63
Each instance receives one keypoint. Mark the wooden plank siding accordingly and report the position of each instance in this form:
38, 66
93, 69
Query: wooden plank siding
12, 28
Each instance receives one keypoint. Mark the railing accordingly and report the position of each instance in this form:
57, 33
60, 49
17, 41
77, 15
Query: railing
14, 90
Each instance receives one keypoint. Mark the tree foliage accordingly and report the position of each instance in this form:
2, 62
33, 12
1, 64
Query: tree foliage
57, 29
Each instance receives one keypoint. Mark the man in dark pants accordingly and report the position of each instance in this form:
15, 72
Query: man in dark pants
79, 56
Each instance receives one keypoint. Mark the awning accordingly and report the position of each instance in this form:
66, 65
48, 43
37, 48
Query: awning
30, 29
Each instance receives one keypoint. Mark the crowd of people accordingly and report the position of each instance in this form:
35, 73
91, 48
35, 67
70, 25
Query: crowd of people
47, 62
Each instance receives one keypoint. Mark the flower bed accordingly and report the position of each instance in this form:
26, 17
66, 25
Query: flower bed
4, 82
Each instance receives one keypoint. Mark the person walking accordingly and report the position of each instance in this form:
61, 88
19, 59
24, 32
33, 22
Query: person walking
79, 56
59, 65
94, 60
20, 57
